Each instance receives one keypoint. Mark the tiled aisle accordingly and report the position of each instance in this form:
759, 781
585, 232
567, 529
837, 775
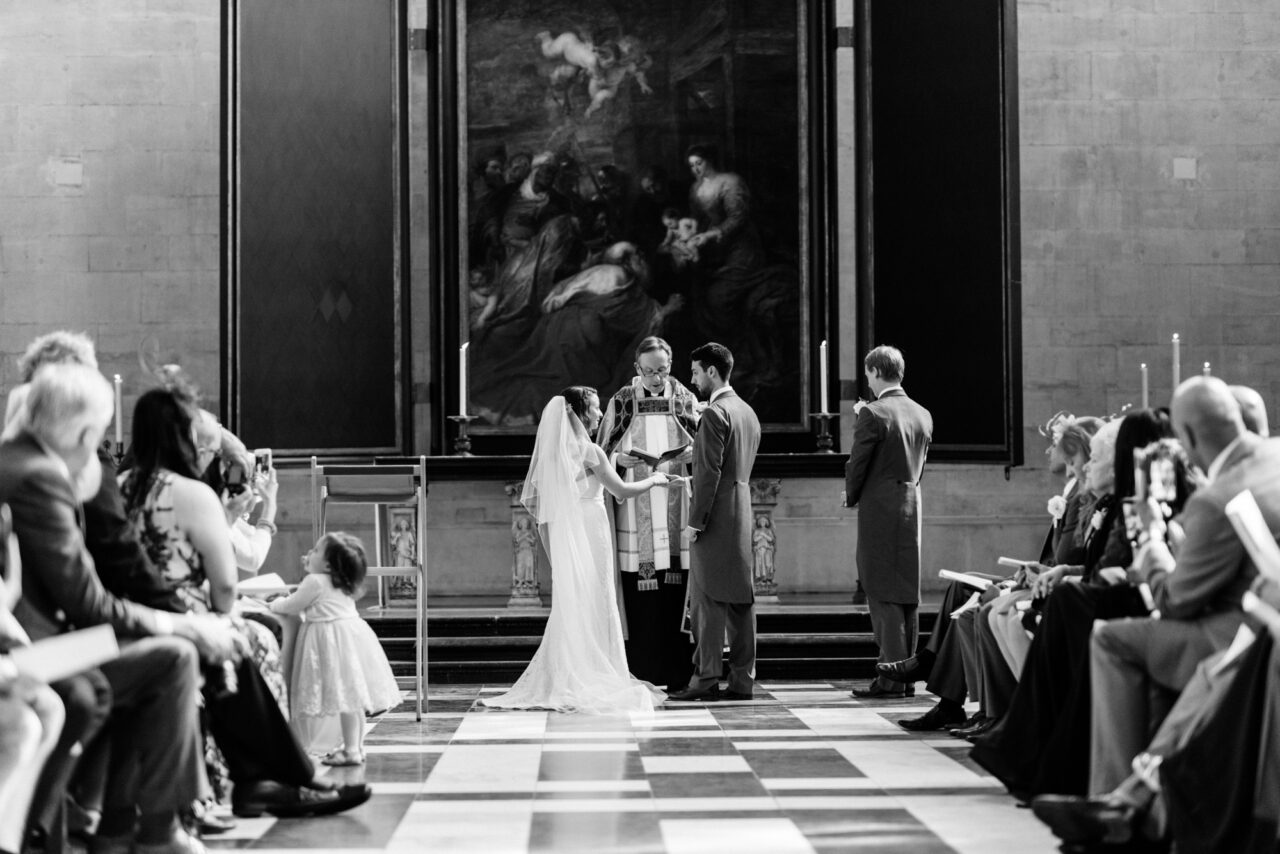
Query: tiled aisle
802, 768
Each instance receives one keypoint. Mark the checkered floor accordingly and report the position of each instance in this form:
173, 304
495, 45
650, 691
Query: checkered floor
802, 768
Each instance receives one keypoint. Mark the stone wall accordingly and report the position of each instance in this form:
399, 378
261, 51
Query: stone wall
109, 180
1150, 161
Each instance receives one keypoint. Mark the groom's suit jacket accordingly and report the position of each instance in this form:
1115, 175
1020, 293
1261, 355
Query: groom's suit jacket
882, 479
724, 452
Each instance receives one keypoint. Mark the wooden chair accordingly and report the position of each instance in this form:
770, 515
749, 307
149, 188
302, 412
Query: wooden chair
383, 487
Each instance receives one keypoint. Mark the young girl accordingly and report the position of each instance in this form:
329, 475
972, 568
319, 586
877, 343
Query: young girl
339, 667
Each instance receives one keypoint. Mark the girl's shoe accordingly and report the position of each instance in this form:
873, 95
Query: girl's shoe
342, 758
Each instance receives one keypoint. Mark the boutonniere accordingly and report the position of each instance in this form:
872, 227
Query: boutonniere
1096, 522
1057, 508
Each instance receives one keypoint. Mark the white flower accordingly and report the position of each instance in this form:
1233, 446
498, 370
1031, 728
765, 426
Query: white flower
1057, 507
1096, 522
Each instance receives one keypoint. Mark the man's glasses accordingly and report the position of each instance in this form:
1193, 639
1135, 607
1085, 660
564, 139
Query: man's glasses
650, 373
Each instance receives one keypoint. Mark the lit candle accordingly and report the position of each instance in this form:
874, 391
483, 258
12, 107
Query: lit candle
1146, 398
119, 384
1206, 370
822, 374
1177, 360
462, 379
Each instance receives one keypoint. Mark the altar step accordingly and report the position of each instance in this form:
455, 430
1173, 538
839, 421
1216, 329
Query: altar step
495, 644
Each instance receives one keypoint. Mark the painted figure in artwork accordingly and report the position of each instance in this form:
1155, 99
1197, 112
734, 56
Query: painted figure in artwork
606, 66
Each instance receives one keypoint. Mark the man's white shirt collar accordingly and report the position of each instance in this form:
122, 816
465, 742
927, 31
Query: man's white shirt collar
1215, 467
724, 389
888, 389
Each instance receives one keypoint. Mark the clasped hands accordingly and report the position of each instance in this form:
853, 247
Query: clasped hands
215, 638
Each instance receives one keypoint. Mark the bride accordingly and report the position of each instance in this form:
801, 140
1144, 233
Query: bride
581, 664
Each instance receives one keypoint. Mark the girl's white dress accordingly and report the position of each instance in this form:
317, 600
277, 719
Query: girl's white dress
338, 664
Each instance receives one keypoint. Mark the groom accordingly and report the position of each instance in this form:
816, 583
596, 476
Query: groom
720, 589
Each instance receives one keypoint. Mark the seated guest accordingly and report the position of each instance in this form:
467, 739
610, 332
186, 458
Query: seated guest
183, 527
31, 716
249, 543
947, 659
1136, 660
259, 745
1041, 743
155, 769
1208, 778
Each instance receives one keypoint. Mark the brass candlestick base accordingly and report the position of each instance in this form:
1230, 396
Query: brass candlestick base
462, 442
826, 442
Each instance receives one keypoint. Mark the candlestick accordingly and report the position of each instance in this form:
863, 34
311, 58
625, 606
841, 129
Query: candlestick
822, 374
1146, 400
825, 440
1206, 370
1177, 361
462, 443
118, 383
462, 379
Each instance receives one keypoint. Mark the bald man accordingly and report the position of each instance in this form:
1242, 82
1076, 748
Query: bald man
1252, 409
1136, 661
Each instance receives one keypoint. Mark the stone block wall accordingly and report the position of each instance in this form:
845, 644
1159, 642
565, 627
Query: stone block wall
109, 155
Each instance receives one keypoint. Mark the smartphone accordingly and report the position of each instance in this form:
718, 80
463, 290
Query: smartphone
1163, 483
1132, 521
262, 460
235, 479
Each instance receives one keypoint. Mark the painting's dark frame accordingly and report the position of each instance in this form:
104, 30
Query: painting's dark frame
445, 262
230, 404
989, 361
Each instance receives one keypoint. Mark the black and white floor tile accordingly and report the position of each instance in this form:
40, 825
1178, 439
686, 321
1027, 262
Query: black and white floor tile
802, 768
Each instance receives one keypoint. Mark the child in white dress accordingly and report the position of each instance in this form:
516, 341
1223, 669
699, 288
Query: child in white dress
339, 667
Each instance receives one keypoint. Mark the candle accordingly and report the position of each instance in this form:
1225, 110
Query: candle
462, 379
1177, 360
1206, 371
822, 374
119, 384
1146, 398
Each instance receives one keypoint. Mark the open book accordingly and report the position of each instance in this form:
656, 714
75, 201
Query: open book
262, 586
1255, 533
655, 459
60, 656
975, 581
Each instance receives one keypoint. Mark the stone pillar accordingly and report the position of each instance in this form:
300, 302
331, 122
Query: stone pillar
525, 552
764, 538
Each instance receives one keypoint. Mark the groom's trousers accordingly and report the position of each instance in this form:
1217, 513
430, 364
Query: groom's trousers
713, 620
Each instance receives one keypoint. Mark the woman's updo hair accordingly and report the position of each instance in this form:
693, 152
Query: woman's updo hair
1077, 435
345, 557
578, 398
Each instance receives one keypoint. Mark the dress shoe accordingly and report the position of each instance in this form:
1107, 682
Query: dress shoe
294, 801
737, 695
935, 719
873, 691
859, 595
180, 843
908, 670
1081, 820
688, 694
974, 727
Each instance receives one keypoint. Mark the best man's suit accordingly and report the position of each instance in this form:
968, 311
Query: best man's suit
720, 586
882, 478
1134, 660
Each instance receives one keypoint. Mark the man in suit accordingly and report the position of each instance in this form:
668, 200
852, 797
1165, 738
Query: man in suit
1139, 666
46, 468
720, 522
882, 478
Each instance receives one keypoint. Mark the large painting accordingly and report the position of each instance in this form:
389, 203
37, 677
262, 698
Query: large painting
629, 169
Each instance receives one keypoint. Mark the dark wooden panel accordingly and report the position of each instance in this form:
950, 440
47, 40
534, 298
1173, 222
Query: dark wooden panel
317, 292
941, 246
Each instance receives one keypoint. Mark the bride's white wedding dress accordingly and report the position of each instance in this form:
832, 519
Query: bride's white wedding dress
581, 664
